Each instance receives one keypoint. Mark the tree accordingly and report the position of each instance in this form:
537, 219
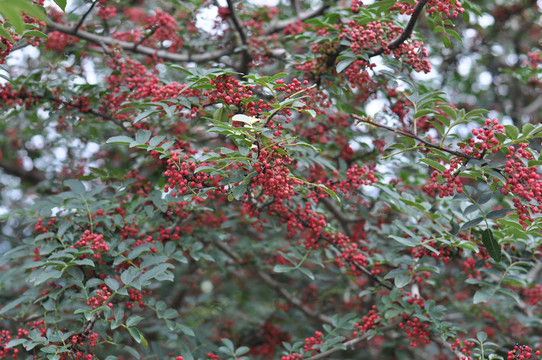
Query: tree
302, 180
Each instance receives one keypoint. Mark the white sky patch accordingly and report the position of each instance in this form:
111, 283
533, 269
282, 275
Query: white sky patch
206, 18
60, 153
374, 107
90, 149
485, 79
90, 71
464, 66
486, 20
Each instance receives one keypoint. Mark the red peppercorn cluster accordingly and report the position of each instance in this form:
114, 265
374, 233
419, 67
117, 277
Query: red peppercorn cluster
271, 339
522, 352
106, 12
293, 356
312, 342
524, 182
95, 241
182, 177
451, 184
100, 298
368, 322
465, 347
57, 41
484, 139
421, 251
375, 36
416, 331
39, 227
533, 296
273, 174
446, 8
80, 340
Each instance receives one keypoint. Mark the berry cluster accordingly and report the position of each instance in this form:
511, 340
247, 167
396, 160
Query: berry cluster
416, 331
522, 352
465, 348
368, 322
445, 8
95, 241
100, 298
484, 139
311, 343
524, 182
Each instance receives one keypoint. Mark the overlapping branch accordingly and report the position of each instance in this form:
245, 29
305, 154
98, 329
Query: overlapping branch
276, 286
412, 136
407, 31
144, 50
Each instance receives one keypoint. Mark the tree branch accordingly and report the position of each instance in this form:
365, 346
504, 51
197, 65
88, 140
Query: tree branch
144, 50
245, 56
415, 137
276, 286
407, 31
84, 16
33, 176
281, 24
350, 343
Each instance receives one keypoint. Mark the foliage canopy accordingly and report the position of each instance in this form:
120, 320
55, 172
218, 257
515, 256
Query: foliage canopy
298, 180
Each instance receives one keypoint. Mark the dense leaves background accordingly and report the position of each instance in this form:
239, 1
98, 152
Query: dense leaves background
296, 180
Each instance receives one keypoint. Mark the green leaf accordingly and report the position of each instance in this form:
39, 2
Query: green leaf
434, 164
511, 131
471, 223
481, 336
402, 280
122, 139
249, 120
35, 33
283, 268
133, 320
492, 246
328, 191
138, 337
61, 4
143, 136
156, 271
527, 128
307, 273
343, 64
481, 296
76, 186
112, 284
238, 191
497, 214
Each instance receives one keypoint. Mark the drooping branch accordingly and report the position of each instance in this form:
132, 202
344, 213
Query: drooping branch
350, 343
144, 50
407, 31
415, 137
330, 242
276, 286
281, 24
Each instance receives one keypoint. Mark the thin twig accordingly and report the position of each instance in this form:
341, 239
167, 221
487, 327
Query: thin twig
281, 24
151, 33
350, 343
415, 137
84, 17
145, 50
407, 31
277, 287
